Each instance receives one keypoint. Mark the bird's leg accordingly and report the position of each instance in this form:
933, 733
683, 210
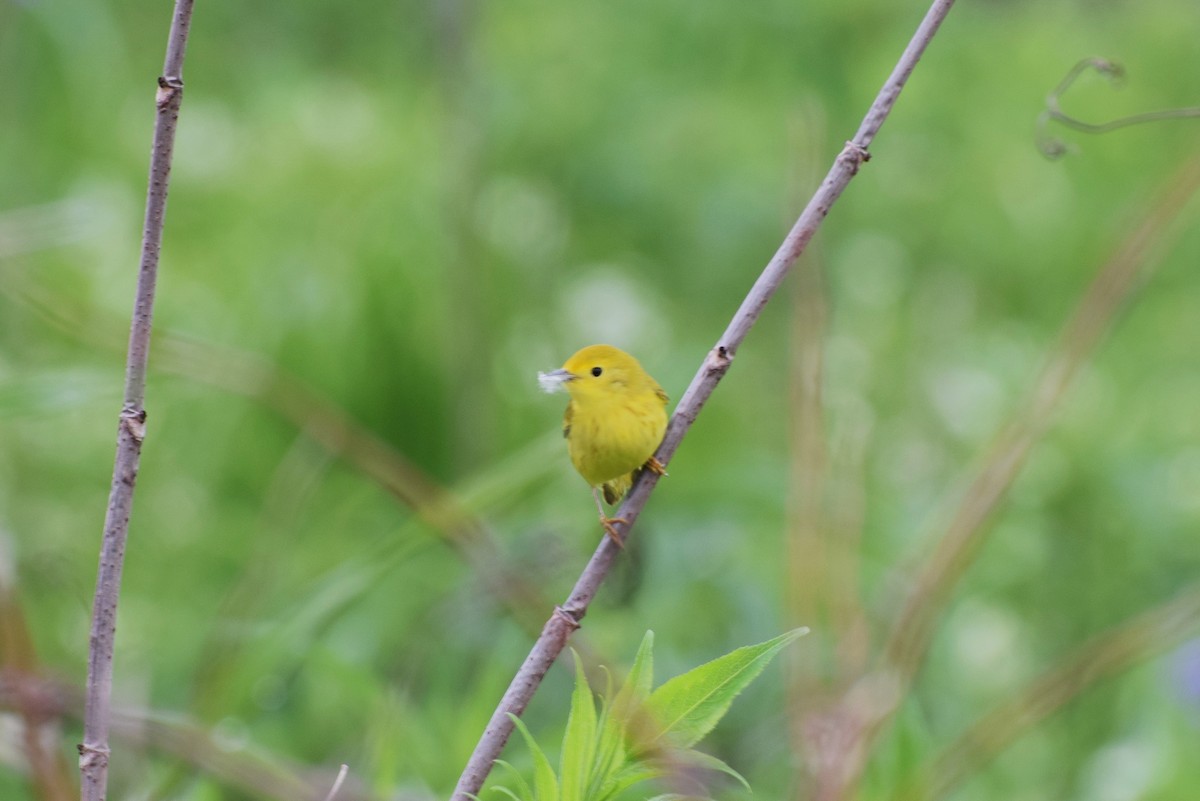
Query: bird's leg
609, 523
655, 466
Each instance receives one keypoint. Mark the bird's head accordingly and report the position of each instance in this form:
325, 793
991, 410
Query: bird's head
595, 371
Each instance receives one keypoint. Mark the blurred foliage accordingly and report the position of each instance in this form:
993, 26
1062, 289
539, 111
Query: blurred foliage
637, 735
409, 208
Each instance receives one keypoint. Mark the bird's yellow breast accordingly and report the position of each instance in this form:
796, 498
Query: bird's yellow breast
610, 437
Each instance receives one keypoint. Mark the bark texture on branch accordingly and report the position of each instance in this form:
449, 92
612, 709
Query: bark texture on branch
131, 428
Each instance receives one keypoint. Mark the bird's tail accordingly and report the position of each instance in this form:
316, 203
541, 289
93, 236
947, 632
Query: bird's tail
615, 490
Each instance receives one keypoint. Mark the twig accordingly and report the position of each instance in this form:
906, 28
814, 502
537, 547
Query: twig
566, 618
94, 752
337, 783
1053, 147
1101, 658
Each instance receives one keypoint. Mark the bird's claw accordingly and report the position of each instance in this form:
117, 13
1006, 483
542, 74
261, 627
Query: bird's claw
610, 529
655, 466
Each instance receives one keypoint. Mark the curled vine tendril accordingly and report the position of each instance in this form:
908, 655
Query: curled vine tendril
1052, 147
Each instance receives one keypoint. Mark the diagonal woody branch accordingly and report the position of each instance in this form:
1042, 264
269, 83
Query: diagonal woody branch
131, 429
567, 617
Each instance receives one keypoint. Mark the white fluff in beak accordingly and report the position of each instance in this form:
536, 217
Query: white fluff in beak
554, 380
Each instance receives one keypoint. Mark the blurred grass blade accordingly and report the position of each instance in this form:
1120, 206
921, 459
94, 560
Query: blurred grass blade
1113, 287
1104, 656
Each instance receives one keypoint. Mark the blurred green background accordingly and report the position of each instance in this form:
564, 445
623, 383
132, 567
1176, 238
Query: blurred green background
354, 508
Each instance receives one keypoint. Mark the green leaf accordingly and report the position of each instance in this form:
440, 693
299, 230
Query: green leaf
545, 785
641, 674
645, 770
522, 786
579, 741
710, 762
503, 791
631, 774
611, 751
688, 706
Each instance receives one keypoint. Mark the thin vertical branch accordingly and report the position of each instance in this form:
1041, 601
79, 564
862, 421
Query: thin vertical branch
131, 429
567, 617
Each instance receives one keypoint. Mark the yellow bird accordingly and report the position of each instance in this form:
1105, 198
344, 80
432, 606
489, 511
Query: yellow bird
614, 421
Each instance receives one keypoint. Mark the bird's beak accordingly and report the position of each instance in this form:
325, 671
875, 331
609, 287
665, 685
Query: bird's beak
554, 380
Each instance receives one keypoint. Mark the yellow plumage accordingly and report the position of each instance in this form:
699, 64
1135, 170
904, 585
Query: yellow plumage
614, 421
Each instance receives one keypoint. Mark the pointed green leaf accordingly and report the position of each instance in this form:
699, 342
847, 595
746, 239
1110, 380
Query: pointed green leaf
604, 738
545, 784
641, 674
688, 706
503, 791
710, 762
631, 774
579, 741
611, 751
522, 786
686, 761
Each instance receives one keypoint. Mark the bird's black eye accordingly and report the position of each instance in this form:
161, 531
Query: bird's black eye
596, 371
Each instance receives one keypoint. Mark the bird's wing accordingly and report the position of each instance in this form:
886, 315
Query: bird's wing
567, 415
661, 394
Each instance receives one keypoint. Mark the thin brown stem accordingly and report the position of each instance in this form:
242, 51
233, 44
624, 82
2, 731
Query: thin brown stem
807, 545
131, 429
1053, 147
48, 771
567, 617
